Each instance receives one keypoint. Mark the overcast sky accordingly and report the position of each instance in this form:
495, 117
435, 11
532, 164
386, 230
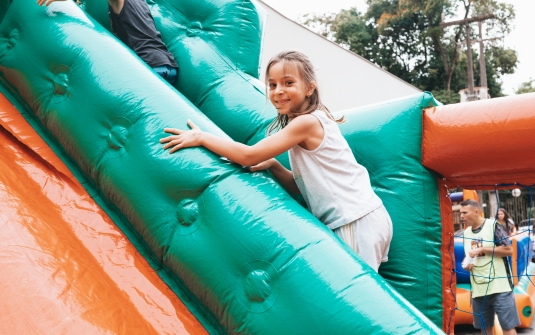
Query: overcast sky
521, 39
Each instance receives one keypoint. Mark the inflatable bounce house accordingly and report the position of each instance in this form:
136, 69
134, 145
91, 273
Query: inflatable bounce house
103, 232
470, 156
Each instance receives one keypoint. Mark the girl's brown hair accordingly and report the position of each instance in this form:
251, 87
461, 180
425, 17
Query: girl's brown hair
506, 218
306, 71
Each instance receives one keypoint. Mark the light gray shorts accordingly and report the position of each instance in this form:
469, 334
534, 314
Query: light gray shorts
369, 236
503, 304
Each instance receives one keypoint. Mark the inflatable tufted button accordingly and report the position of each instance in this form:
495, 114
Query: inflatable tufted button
14, 37
258, 286
9, 40
61, 84
188, 211
194, 29
117, 137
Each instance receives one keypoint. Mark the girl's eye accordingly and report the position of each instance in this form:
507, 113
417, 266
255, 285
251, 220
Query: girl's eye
272, 85
289, 82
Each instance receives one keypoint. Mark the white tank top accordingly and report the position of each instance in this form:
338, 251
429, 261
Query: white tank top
335, 187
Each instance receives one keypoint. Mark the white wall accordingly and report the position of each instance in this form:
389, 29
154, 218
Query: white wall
346, 79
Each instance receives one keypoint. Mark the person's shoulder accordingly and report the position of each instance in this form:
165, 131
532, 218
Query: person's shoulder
306, 120
500, 235
306, 117
498, 227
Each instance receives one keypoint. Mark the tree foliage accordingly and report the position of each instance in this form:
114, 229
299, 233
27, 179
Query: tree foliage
527, 87
405, 37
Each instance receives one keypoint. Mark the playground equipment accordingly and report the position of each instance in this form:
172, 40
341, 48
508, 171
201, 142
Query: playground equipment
66, 267
238, 251
467, 160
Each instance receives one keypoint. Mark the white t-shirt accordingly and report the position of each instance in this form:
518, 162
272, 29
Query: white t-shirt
335, 187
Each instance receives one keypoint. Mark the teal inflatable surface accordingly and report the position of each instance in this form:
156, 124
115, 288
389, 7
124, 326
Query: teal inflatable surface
386, 139
246, 255
217, 44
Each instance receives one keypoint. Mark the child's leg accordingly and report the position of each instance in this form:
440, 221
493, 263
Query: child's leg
369, 236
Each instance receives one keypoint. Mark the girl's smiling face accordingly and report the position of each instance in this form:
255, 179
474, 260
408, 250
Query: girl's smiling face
287, 90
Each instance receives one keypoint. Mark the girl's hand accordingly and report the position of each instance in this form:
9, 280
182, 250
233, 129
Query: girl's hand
182, 138
263, 165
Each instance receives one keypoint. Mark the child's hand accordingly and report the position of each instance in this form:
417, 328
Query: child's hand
182, 138
46, 2
263, 165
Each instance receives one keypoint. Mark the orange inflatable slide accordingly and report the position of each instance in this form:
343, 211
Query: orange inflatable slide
66, 267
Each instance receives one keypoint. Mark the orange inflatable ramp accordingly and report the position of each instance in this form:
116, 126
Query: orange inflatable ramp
482, 143
66, 267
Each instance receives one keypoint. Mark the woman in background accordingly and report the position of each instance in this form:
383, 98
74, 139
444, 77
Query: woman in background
505, 220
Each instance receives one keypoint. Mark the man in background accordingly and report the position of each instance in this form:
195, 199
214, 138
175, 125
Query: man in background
490, 274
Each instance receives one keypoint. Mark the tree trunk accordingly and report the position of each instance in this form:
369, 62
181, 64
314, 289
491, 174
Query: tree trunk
493, 204
448, 68
448, 80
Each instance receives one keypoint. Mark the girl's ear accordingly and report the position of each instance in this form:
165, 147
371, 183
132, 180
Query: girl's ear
311, 88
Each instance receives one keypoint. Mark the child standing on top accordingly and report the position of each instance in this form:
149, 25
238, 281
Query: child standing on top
335, 187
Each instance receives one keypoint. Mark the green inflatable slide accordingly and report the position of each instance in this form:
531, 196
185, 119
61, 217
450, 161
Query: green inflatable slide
244, 256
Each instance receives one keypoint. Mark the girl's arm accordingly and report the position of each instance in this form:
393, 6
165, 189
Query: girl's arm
283, 175
305, 128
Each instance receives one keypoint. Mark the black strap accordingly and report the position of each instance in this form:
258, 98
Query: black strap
507, 269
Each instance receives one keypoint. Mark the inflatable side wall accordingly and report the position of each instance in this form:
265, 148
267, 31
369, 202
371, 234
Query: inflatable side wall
386, 139
480, 132
245, 254
217, 43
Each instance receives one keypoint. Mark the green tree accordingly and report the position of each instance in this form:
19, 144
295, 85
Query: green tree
526, 87
405, 37
446, 97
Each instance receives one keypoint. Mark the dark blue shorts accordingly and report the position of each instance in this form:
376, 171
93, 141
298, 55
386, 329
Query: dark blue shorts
501, 304
168, 73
